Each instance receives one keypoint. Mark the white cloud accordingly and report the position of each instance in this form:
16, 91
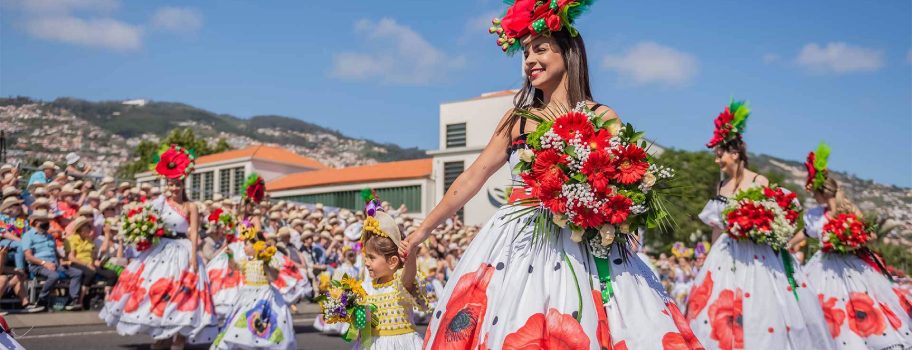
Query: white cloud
177, 19
104, 32
477, 26
839, 58
771, 58
397, 55
651, 63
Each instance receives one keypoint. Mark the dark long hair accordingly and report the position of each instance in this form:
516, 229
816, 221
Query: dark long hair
573, 51
737, 145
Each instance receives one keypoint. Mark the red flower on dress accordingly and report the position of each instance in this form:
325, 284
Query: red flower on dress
865, 318
459, 326
572, 123
174, 163
599, 170
727, 320
834, 316
280, 283
160, 295
674, 341
127, 282
683, 326
556, 331
184, 293
617, 209
631, 164
291, 270
136, 298
621, 345
903, 300
206, 297
891, 316
699, 296
603, 333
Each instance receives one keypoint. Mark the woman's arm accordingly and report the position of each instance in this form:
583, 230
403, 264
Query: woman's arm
409, 272
193, 235
466, 185
796, 241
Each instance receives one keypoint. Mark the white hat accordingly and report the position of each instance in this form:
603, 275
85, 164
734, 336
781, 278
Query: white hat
86, 210
41, 203
94, 195
123, 185
9, 202
284, 231
53, 186
72, 158
67, 189
217, 197
40, 214
107, 180
107, 205
40, 192
9, 191
48, 165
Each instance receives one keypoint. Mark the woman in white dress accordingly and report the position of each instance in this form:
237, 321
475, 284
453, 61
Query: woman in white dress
863, 309
164, 292
508, 292
743, 297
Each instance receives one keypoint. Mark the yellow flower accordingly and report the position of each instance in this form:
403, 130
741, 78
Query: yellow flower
259, 246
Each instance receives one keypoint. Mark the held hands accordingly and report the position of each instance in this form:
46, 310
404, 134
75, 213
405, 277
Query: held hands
410, 244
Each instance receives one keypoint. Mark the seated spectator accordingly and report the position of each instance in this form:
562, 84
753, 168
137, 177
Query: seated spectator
80, 248
41, 253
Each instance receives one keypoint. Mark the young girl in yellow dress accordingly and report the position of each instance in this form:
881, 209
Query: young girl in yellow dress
391, 285
260, 319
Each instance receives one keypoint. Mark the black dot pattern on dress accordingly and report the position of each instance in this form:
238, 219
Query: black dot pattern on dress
557, 266
438, 314
575, 314
617, 261
496, 318
500, 266
530, 268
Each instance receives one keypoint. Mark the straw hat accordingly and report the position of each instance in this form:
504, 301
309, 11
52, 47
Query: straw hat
319, 206
217, 197
94, 195
107, 205
72, 158
326, 234
9, 202
40, 214
274, 216
67, 190
145, 187
86, 210
297, 222
80, 222
32, 186
53, 186
155, 191
9, 191
123, 185
269, 235
40, 192
284, 232
107, 180
6, 168
48, 165
41, 203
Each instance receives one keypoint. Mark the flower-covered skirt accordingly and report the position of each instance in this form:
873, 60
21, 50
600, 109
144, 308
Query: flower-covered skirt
743, 298
260, 320
862, 309
510, 291
158, 294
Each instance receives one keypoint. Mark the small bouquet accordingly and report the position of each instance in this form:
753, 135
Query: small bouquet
263, 251
141, 227
766, 215
345, 301
844, 233
592, 175
219, 217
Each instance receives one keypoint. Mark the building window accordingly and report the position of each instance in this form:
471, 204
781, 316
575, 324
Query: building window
396, 196
208, 184
238, 181
195, 186
456, 135
225, 182
451, 170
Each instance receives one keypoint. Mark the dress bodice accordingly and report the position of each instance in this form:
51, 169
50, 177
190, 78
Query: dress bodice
395, 305
171, 215
254, 273
814, 219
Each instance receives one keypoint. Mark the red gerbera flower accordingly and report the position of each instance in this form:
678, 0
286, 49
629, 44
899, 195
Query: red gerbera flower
556, 331
601, 140
568, 125
173, 163
585, 217
631, 164
257, 190
184, 292
699, 296
834, 316
603, 332
727, 320
865, 318
617, 209
891, 316
214, 216
548, 163
160, 295
459, 326
599, 170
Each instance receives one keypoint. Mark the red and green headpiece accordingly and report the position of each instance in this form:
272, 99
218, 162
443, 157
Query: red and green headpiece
255, 188
817, 167
730, 123
538, 17
174, 162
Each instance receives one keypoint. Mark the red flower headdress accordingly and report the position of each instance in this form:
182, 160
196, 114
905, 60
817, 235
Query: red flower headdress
816, 165
730, 123
175, 162
539, 17
255, 188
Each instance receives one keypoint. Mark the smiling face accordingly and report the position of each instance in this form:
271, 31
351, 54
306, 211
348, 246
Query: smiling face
726, 160
543, 62
175, 187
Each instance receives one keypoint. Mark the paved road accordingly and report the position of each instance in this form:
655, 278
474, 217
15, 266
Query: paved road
99, 337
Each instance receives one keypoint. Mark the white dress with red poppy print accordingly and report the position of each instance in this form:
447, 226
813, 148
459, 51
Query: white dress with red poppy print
226, 282
260, 318
158, 293
510, 292
742, 298
862, 309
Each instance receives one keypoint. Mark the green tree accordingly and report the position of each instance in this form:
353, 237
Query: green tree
696, 177
145, 151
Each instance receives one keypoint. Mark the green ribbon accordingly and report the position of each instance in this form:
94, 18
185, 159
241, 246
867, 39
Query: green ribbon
603, 266
361, 325
579, 292
789, 270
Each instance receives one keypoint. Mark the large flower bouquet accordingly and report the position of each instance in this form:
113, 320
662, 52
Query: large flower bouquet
844, 233
345, 301
590, 174
141, 227
766, 215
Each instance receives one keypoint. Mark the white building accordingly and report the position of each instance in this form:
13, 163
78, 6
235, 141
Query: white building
225, 172
465, 129
136, 102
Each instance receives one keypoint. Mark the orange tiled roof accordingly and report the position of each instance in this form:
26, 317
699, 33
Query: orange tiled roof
407, 169
270, 153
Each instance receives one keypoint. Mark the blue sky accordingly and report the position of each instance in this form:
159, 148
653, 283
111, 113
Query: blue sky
835, 70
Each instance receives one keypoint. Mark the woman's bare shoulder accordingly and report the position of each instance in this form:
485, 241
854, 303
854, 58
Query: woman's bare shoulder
609, 112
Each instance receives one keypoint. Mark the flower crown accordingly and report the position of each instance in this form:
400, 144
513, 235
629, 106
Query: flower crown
174, 162
544, 17
379, 223
730, 123
254, 188
817, 167
247, 232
